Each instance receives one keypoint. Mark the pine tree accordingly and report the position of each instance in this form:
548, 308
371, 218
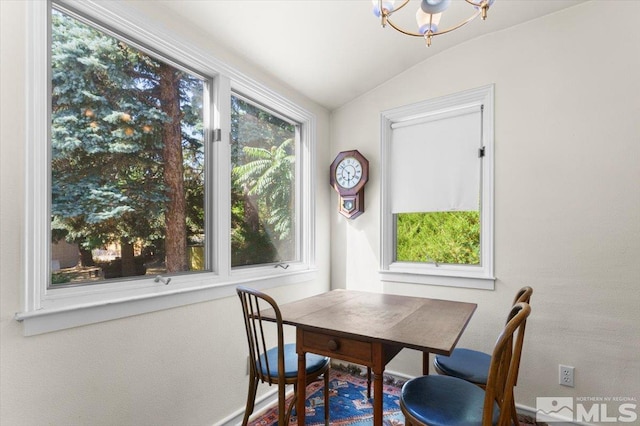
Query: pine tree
117, 144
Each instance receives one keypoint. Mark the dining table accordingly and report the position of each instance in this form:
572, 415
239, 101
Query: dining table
370, 329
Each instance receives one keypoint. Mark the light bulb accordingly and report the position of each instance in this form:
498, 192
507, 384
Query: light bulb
387, 5
427, 22
434, 6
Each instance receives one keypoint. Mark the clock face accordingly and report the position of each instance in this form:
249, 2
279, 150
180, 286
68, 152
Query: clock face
348, 172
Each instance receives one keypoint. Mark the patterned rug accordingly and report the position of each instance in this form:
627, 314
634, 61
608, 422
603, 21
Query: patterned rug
349, 403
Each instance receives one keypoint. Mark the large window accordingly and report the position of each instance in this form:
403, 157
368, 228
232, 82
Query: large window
437, 191
127, 159
263, 191
157, 175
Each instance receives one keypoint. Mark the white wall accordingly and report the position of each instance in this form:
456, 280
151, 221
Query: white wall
183, 366
567, 195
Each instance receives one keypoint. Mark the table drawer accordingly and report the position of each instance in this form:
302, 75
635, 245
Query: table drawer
346, 349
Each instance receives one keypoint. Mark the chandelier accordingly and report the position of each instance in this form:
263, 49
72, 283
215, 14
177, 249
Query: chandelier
428, 15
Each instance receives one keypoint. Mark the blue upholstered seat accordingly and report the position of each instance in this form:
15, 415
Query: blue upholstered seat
437, 401
314, 362
467, 364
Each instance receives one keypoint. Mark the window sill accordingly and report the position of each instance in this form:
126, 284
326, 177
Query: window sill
448, 279
51, 318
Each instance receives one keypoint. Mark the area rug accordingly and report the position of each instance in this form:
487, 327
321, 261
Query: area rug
349, 403
348, 400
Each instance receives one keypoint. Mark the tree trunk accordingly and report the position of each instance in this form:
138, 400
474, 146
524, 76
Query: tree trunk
175, 214
86, 258
127, 259
251, 215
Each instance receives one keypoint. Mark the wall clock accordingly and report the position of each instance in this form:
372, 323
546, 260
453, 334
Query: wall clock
349, 172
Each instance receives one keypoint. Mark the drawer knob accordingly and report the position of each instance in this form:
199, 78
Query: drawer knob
333, 345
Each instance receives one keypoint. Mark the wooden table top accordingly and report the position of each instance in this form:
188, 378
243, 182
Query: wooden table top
424, 324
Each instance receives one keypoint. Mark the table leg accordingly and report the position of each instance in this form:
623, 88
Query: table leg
377, 368
302, 380
377, 395
425, 363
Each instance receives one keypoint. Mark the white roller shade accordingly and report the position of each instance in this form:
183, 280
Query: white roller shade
435, 164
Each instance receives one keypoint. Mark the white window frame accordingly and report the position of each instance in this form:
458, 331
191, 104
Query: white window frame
471, 276
45, 309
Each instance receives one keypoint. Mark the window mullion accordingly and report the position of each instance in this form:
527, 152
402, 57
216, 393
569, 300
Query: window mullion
221, 183
37, 255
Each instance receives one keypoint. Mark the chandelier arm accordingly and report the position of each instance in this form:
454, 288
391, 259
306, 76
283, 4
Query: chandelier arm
405, 32
414, 34
384, 13
483, 7
406, 2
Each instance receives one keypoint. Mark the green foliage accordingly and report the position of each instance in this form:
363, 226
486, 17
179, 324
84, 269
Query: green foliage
249, 246
443, 237
269, 176
60, 279
263, 186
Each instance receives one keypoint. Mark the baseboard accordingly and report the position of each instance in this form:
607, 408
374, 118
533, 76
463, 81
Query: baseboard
263, 403
526, 410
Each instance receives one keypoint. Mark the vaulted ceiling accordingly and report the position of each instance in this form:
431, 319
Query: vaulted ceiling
335, 50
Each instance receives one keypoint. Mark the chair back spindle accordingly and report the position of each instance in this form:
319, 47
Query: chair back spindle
265, 339
257, 341
524, 296
505, 360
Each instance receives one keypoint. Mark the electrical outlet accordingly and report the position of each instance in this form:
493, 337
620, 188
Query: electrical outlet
566, 375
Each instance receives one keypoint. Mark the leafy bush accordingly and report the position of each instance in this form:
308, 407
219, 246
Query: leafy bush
443, 237
60, 279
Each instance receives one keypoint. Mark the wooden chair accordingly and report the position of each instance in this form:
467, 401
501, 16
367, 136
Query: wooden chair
472, 365
275, 364
446, 400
